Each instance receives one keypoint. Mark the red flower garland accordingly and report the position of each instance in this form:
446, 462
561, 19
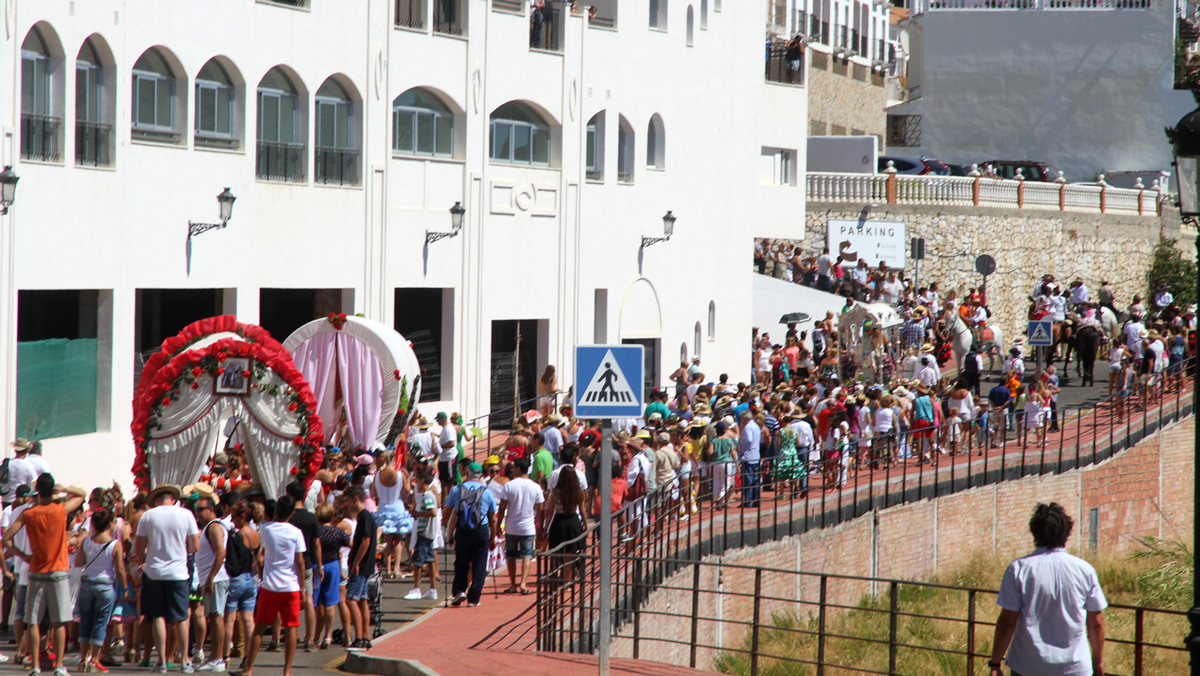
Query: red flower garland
338, 319
158, 388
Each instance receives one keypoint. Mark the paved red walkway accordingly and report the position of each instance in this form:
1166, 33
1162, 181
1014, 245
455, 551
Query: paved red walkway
494, 639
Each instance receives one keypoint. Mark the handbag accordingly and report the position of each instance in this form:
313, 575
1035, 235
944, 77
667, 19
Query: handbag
638, 489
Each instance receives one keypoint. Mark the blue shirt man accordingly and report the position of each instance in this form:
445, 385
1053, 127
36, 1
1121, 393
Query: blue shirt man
472, 545
552, 439
751, 439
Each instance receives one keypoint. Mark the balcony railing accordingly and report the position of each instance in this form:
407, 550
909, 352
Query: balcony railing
336, 166
515, 6
92, 144
780, 70
446, 18
410, 13
981, 190
921, 6
280, 161
39, 138
543, 28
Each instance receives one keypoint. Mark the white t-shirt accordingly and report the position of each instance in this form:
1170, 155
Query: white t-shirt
424, 440
1053, 591
1132, 340
1156, 347
280, 543
523, 496
40, 466
20, 472
166, 530
1115, 352
20, 541
448, 436
207, 556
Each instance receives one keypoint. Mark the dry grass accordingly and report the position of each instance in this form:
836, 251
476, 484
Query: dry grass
1157, 575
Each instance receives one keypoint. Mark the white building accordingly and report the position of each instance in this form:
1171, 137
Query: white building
1086, 85
347, 129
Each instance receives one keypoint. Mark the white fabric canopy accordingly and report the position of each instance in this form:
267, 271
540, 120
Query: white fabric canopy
190, 429
269, 431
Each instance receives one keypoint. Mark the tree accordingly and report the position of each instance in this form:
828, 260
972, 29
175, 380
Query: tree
1168, 266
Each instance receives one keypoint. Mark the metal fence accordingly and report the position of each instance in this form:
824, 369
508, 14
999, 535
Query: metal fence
92, 144
780, 70
725, 506
544, 28
280, 161
336, 166
39, 138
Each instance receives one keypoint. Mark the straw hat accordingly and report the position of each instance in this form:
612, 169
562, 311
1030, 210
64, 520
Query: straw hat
205, 490
21, 445
927, 348
901, 391
160, 489
423, 423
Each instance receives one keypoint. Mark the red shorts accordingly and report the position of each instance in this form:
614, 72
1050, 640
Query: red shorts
271, 604
922, 428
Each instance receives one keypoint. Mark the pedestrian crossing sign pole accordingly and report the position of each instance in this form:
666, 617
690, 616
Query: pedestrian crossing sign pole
608, 384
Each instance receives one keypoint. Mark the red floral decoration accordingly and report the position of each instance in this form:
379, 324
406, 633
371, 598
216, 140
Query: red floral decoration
338, 319
176, 366
396, 373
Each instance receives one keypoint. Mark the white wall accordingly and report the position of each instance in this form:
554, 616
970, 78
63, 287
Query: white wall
1087, 91
536, 242
774, 298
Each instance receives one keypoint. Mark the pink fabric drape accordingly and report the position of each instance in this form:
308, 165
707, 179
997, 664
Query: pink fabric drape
362, 388
315, 359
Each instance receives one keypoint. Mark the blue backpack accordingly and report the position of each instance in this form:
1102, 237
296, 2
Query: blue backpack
470, 507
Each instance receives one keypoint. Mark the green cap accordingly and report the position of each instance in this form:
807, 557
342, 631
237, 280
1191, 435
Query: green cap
441, 415
475, 468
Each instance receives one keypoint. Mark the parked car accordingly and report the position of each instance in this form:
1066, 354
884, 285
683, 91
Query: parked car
914, 165
1032, 171
959, 169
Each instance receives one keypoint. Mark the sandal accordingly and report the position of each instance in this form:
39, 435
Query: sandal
324, 645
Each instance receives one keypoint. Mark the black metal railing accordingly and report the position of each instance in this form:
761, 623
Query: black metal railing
721, 507
280, 161
781, 69
39, 138
755, 620
446, 19
410, 13
336, 166
543, 28
515, 6
93, 144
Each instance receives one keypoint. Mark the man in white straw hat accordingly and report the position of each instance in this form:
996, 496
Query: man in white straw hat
166, 535
20, 471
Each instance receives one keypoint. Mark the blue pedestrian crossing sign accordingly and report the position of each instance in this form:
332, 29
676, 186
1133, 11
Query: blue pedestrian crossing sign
608, 381
1041, 334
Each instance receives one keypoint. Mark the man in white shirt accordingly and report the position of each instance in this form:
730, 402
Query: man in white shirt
447, 443
1163, 298
283, 568
521, 517
40, 466
824, 262
213, 580
1052, 621
166, 535
1135, 333
20, 470
1079, 292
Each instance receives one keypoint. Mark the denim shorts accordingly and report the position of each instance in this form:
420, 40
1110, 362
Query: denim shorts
242, 595
423, 553
356, 588
518, 546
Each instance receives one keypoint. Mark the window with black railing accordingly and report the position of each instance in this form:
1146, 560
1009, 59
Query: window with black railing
543, 28
336, 166
92, 144
336, 158
39, 138
853, 44
448, 17
280, 161
410, 14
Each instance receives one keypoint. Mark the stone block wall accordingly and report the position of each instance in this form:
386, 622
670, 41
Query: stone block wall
1146, 490
1025, 244
844, 99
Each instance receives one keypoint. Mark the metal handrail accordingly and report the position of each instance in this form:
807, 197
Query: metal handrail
336, 166
652, 541
39, 138
280, 161
92, 141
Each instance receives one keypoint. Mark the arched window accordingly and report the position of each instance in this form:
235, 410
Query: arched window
691, 21
658, 14
216, 98
422, 125
625, 142
656, 143
336, 154
696, 336
716, 5
156, 93
519, 135
703, 15
595, 147
94, 109
712, 320
41, 95
281, 131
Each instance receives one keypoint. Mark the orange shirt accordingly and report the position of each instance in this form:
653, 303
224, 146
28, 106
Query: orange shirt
46, 526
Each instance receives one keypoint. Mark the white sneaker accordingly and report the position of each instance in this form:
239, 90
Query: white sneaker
35, 672
3, 658
198, 658
212, 665
61, 671
187, 668
160, 668
413, 595
430, 595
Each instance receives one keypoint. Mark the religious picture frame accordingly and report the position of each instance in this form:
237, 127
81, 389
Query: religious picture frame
233, 382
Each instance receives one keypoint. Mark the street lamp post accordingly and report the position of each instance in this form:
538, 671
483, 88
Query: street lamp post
668, 220
456, 219
225, 200
8, 189
1185, 139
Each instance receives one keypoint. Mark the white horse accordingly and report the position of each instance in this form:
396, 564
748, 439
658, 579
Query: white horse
963, 338
1111, 323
